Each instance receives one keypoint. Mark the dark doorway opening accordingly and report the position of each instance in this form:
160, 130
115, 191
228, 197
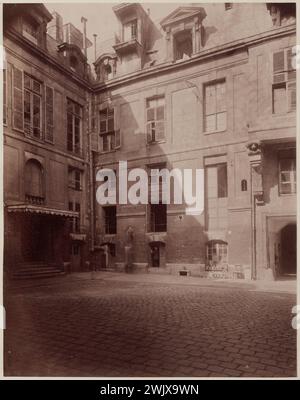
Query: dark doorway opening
155, 256
288, 259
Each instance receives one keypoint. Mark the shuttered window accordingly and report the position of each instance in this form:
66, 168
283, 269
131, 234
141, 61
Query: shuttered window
284, 82
155, 110
18, 99
49, 114
109, 137
32, 107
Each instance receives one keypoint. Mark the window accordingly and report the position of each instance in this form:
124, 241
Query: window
130, 30
158, 217
228, 6
73, 63
215, 118
284, 82
287, 172
75, 226
109, 138
216, 196
183, 44
30, 30
216, 254
34, 187
110, 216
49, 114
75, 178
217, 181
18, 105
74, 120
4, 96
32, 107
155, 109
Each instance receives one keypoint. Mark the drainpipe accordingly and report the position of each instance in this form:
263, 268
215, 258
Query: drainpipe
84, 21
253, 236
91, 177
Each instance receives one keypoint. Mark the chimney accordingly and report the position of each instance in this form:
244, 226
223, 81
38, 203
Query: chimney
55, 27
95, 47
84, 21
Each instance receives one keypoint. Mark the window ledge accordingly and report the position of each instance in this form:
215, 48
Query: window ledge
212, 132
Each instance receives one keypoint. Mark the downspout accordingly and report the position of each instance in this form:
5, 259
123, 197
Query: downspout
91, 178
253, 236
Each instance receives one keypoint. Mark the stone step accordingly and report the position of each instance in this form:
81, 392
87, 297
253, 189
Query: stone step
38, 270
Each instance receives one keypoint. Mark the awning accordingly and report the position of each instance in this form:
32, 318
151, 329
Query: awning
28, 208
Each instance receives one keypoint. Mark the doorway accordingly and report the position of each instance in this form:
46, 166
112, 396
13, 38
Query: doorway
288, 247
155, 256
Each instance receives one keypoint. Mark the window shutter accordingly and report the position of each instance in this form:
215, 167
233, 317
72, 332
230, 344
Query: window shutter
159, 131
278, 62
18, 99
291, 75
149, 132
117, 139
95, 142
291, 92
49, 113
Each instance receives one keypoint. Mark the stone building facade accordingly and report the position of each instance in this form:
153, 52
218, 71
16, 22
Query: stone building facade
209, 87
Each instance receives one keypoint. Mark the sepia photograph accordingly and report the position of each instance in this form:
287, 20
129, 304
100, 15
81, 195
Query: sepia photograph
149, 191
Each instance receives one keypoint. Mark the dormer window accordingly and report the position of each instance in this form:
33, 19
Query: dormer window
30, 30
184, 32
73, 63
228, 6
130, 30
183, 44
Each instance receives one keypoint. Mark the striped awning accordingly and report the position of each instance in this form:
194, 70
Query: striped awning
29, 208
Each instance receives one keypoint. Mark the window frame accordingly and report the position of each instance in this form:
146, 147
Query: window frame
293, 176
205, 86
74, 115
155, 120
32, 95
73, 183
108, 226
287, 82
109, 133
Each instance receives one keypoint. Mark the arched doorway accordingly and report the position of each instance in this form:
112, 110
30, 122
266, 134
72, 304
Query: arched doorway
288, 253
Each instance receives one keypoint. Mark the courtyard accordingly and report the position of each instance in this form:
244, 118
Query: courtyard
114, 325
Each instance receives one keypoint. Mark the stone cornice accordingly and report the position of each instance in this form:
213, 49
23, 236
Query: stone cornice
46, 57
218, 51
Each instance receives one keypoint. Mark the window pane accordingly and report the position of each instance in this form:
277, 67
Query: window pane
150, 114
160, 112
279, 100
221, 98
222, 181
211, 123
210, 99
221, 121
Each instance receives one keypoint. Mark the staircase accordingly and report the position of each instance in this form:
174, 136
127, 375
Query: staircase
34, 270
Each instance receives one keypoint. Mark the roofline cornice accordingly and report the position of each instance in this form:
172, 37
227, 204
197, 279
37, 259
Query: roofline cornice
202, 56
46, 57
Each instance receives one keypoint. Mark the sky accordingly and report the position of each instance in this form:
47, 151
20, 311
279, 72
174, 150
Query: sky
101, 19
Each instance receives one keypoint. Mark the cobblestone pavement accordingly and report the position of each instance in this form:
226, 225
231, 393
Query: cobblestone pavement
76, 327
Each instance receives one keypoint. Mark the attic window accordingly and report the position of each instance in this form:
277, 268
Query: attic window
228, 6
30, 30
130, 30
73, 63
183, 44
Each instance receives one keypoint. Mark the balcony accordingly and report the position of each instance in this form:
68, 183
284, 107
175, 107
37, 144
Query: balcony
130, 46
36, 200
